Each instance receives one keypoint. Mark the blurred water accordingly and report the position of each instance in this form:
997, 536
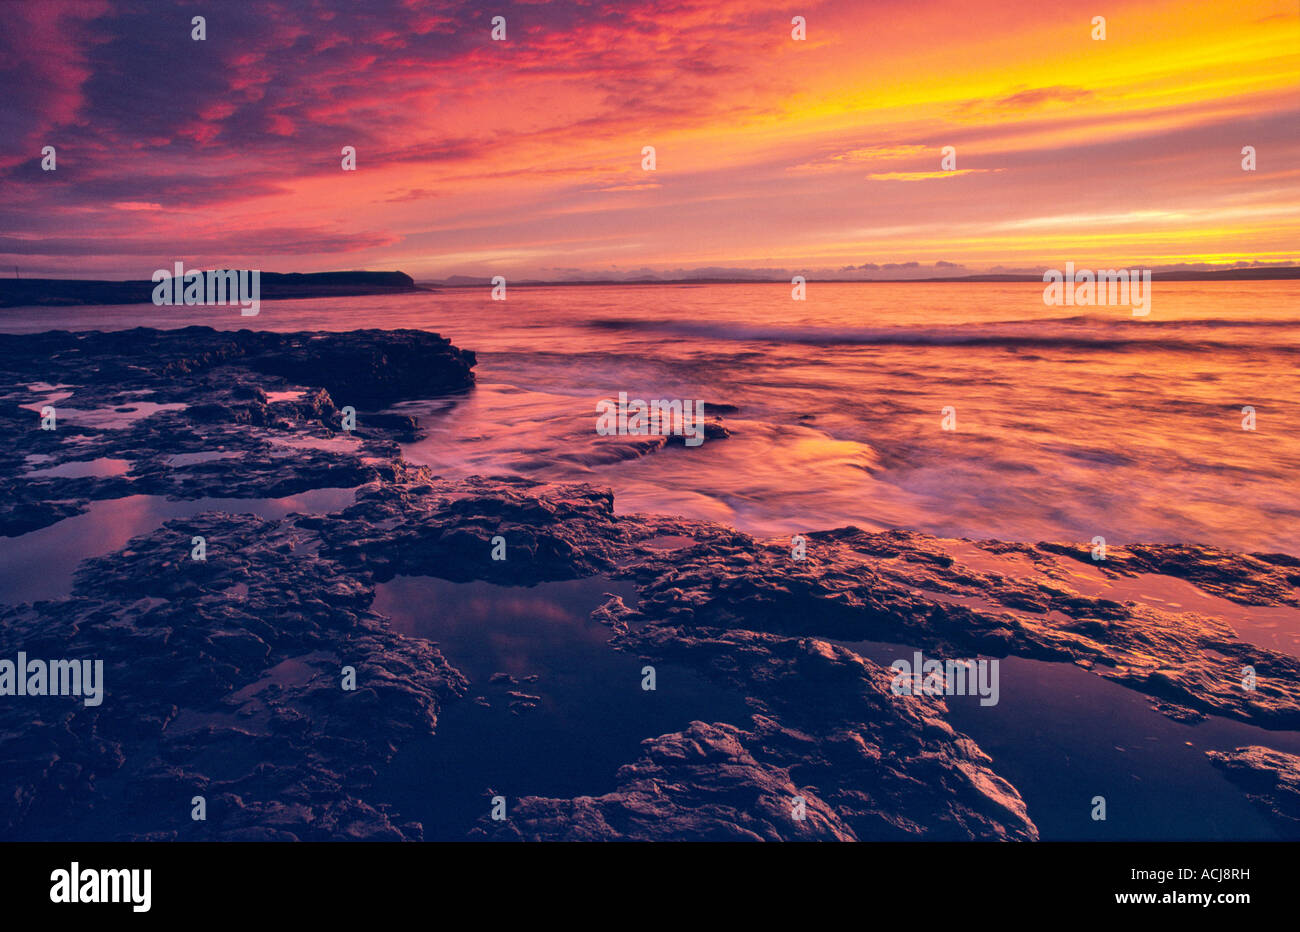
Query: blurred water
1071, 422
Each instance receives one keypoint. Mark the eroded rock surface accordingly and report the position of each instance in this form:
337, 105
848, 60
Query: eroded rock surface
994, 598
223, 676
164, 398
1270, 778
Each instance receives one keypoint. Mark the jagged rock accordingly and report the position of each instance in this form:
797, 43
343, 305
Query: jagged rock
205, 389
1270, 778
701, 784
371, 368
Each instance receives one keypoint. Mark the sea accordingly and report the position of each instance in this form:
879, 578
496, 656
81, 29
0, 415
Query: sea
957, 409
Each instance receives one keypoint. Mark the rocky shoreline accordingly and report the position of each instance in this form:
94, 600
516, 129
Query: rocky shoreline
223, 675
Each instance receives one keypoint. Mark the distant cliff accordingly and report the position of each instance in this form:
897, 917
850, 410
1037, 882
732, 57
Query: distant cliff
15, 292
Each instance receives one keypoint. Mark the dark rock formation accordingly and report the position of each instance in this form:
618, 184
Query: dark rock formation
962, 598
1270, 778
370, 368
204, 390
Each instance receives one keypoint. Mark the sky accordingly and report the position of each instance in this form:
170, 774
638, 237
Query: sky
524, 157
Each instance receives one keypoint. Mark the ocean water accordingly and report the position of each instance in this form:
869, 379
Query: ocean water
1071, 422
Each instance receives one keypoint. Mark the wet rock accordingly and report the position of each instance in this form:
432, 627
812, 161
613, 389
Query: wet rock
713, 429
206, 389
908, 588
249, 393
404, 425
22, 517
1270, 778
701, 784
229, 699
371, 368
832, 755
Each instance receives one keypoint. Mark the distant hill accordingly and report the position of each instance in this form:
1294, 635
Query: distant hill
16, 292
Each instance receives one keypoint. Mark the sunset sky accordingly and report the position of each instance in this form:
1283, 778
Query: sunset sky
523, 157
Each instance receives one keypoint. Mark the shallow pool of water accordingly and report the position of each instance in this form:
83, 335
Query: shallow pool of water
39, 564
100, 467
584, 715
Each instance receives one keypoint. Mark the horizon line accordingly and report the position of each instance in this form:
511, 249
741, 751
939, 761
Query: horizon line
1265, 273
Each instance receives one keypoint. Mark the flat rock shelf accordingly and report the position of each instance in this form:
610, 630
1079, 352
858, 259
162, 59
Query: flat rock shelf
524, 676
